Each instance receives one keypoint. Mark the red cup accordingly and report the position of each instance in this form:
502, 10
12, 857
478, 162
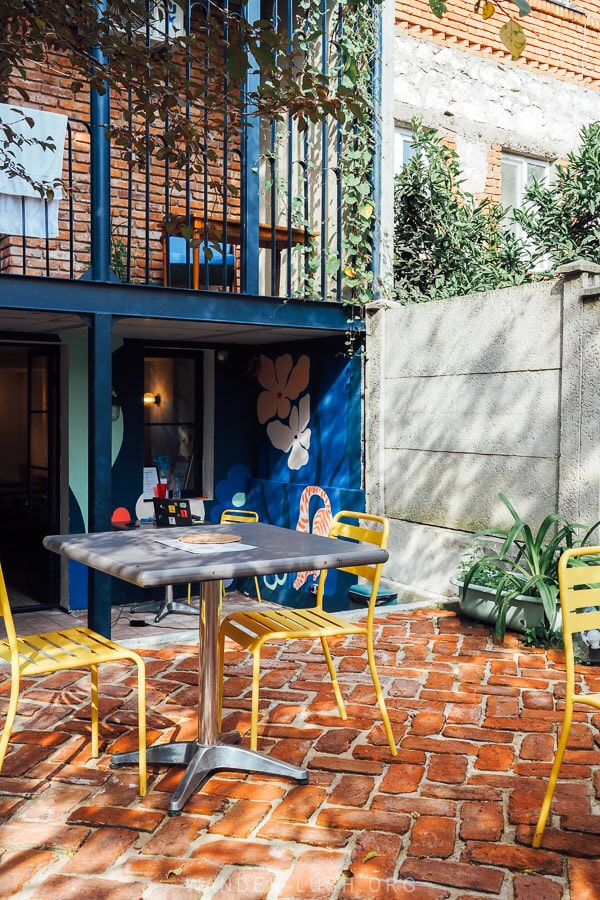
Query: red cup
160, 490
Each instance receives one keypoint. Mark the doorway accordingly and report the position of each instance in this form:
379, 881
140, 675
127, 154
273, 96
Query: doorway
29, 472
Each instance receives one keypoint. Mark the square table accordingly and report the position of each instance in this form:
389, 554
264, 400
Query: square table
142, 558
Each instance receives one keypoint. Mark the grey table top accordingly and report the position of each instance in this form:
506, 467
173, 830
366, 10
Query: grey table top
136, 556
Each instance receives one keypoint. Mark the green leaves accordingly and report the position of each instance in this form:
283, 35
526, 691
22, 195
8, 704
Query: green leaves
526, 562
438, 7
511, 35
561, 219
523, 7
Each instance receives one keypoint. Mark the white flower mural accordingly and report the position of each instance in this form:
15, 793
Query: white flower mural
282, 382
293, 437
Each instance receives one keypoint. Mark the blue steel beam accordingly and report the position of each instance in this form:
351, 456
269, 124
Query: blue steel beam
99, 456
100, 174
250, 174
87, 298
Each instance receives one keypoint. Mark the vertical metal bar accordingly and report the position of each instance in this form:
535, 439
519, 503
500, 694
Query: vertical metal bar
338, 171
250, 175
290, 165
324, 158
273, 169
70, 201
23, 241
129, 200
100, 174
47, 239
99, 465
376, 173
188, 177
225, 175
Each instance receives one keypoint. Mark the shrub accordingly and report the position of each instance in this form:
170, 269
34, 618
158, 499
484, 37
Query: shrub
446, 242
562, 220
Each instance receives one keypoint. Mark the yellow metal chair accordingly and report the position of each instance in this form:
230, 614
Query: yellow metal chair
70, 648
579, 588
253, 629
240, 515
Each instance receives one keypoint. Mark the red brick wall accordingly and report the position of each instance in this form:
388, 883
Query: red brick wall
560, 42
49, 88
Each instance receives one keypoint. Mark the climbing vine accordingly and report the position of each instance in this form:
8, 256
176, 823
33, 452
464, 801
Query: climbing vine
358, 49
347, 47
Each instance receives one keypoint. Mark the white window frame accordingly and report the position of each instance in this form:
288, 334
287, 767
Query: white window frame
403, 145
521, 164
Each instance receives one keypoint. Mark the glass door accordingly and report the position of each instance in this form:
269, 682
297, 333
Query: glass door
29, 473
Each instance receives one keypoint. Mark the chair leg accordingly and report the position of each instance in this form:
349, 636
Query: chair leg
332, 674
10, 717
255, 697
94, 710
221, 675
560, 752
380, 700
142, 726
256, 585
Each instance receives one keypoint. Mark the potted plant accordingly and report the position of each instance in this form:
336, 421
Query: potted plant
516, 586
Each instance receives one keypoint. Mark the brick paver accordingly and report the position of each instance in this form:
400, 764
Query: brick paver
450, 818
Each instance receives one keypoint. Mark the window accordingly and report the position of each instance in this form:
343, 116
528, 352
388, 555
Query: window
518, 172
178, 417
403, 148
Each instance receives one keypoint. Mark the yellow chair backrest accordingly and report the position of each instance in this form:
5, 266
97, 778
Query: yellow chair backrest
579, 588
358, 527
238, 515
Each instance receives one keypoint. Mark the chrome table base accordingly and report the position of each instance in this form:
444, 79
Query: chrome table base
212, 751
162, 608
204, 759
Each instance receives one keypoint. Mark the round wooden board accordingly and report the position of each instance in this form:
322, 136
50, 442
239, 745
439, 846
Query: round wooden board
209, 538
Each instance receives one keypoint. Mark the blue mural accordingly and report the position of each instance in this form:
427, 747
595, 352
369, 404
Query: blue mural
307, 458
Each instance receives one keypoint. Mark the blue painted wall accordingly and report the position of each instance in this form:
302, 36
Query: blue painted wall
297, 443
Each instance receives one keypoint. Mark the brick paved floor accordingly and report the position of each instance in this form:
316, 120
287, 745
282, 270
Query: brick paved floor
450, 817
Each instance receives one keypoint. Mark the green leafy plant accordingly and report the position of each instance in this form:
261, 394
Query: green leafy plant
446, 242
542, 636
526, 563
561, 219
118, 258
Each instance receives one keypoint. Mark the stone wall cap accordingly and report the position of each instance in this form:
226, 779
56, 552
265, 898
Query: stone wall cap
386, 303
576, 267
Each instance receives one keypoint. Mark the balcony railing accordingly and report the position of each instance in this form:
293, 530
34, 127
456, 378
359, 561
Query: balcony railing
287, 183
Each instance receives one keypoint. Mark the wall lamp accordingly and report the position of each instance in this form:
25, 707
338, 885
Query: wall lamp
151, 399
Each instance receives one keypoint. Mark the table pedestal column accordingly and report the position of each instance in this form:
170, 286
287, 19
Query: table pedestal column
211, 752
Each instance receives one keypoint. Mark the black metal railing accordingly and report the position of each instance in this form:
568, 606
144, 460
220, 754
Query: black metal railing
292, 192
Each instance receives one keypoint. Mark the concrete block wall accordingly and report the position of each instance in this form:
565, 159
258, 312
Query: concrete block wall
477, 395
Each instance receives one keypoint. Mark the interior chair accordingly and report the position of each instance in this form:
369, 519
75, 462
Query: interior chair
579, 591
240, 515
253, 629
69, 648
216, 263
